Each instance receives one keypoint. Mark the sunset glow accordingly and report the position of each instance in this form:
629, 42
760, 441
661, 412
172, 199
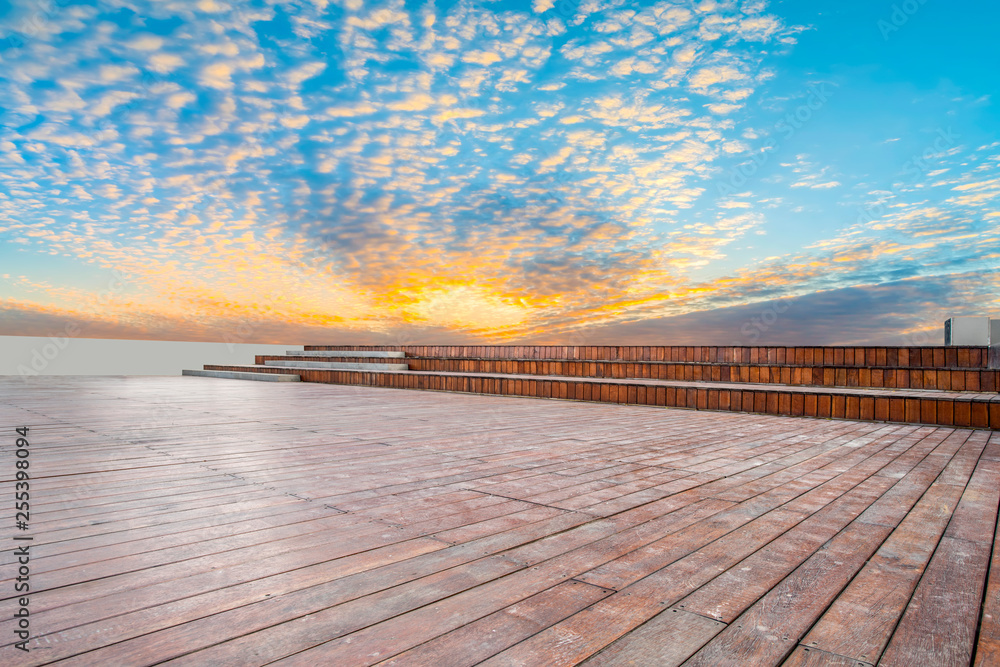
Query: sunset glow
555, 171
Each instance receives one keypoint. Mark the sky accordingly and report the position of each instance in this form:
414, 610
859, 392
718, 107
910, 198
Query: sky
482, 171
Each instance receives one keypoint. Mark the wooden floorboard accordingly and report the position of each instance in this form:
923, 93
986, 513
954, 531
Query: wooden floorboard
197, 521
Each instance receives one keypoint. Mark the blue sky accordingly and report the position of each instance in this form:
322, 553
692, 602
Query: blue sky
498, 171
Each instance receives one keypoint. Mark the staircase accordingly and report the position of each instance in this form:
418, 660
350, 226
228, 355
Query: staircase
950, 386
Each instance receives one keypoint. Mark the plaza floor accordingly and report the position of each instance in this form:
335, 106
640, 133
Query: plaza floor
201, 521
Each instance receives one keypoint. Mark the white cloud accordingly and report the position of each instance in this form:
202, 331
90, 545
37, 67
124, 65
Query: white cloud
758, 28
164, 63
723, 109
108, 101
145, 42
362, 109
295, 76
116, 73
418, 102
710, 76
482, 57
217, 75
181, 99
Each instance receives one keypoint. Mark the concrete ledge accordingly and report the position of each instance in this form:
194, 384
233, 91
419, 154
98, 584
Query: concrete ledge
240, 375
381, 354
337, 365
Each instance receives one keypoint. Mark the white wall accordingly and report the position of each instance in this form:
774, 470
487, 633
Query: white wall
93, 356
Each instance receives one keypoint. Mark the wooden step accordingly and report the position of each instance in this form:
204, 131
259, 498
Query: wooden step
243, 375
379, 354
920, 406
947, 379
878, 356
334, 365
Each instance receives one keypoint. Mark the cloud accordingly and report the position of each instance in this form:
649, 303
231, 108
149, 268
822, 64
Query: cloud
181, 99
505, 172
723, 109
362, 109
540, 6
811, 183
758, 28
145, 42
217, 75
164, 63
705, 78
295, 76
116, 73
452, 114
418, 102
481, 57
907, 312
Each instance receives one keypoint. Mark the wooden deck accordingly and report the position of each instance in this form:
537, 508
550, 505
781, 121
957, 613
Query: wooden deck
198, 521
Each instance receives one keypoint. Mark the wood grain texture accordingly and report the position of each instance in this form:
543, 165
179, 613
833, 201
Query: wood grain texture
940, 622
666, 640
202, 521
804, 656
769, 630
864, 616
476, 641
988, 644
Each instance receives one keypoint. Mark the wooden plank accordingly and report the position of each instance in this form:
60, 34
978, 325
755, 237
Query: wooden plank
476, 641
939, 625
804, 656
587, 632
474, 530
270, 639
376, 642
345, 577
890, 509
861, 620
730, 594
132, 613
649, 558
770, 629
988, 645
666, 640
